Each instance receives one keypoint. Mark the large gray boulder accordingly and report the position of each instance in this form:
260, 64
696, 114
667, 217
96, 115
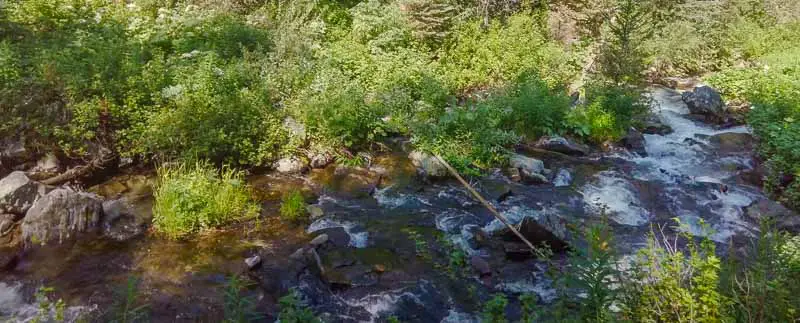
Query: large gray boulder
531, 169
525, 163
706, 101
18, 193
290, 165
562, 145
61, 214
427, 165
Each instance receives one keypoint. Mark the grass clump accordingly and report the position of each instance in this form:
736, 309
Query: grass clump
193, 198
293, 206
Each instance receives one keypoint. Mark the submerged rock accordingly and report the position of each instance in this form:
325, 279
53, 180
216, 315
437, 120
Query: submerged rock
18, 193
563, 178
336, 236
119, 221
535, 233
705, 101
352, 276
562, 145
480, 265
61, 214
495, 190
427, 165
733, 142
654, 126
634, 142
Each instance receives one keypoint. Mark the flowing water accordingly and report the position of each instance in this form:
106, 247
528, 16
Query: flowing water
396, 241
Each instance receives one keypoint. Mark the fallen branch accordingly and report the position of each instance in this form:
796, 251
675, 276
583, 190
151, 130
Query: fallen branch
105, 160
486, 204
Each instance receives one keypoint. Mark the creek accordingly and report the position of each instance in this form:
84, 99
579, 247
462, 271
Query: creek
391, 248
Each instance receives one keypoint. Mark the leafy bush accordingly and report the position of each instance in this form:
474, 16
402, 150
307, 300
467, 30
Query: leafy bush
608, 113
536, 108
215, 111
470, 138
293, 206
671, 285
762, 287
293, 310
474, 58
239, 308
494, 311
193, 198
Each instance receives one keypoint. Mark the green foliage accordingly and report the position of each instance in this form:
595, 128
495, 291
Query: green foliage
239, 308
670, 284
48, 311
293, 206
127, 306
530, 311
593, 271
630, 24
536, 108
294, 311
494, 311
608, 113
765, 291
430, 20
475, 58
470, 138
772, 88
193, 198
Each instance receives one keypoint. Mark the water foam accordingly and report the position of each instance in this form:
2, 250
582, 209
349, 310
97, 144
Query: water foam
615, 196
357, 239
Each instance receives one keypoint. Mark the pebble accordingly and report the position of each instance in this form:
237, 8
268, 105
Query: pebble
253, 262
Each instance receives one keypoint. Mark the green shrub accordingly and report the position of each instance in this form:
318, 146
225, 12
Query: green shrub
339, 115
215, 111
536, 108
608, 113
193, 198
474, 58
239, 308
772, 88
293, 206
470, 138
673, 284
761, 287
293, 310
530, 311
494, 311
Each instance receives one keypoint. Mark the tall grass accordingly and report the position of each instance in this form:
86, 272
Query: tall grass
193, 198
